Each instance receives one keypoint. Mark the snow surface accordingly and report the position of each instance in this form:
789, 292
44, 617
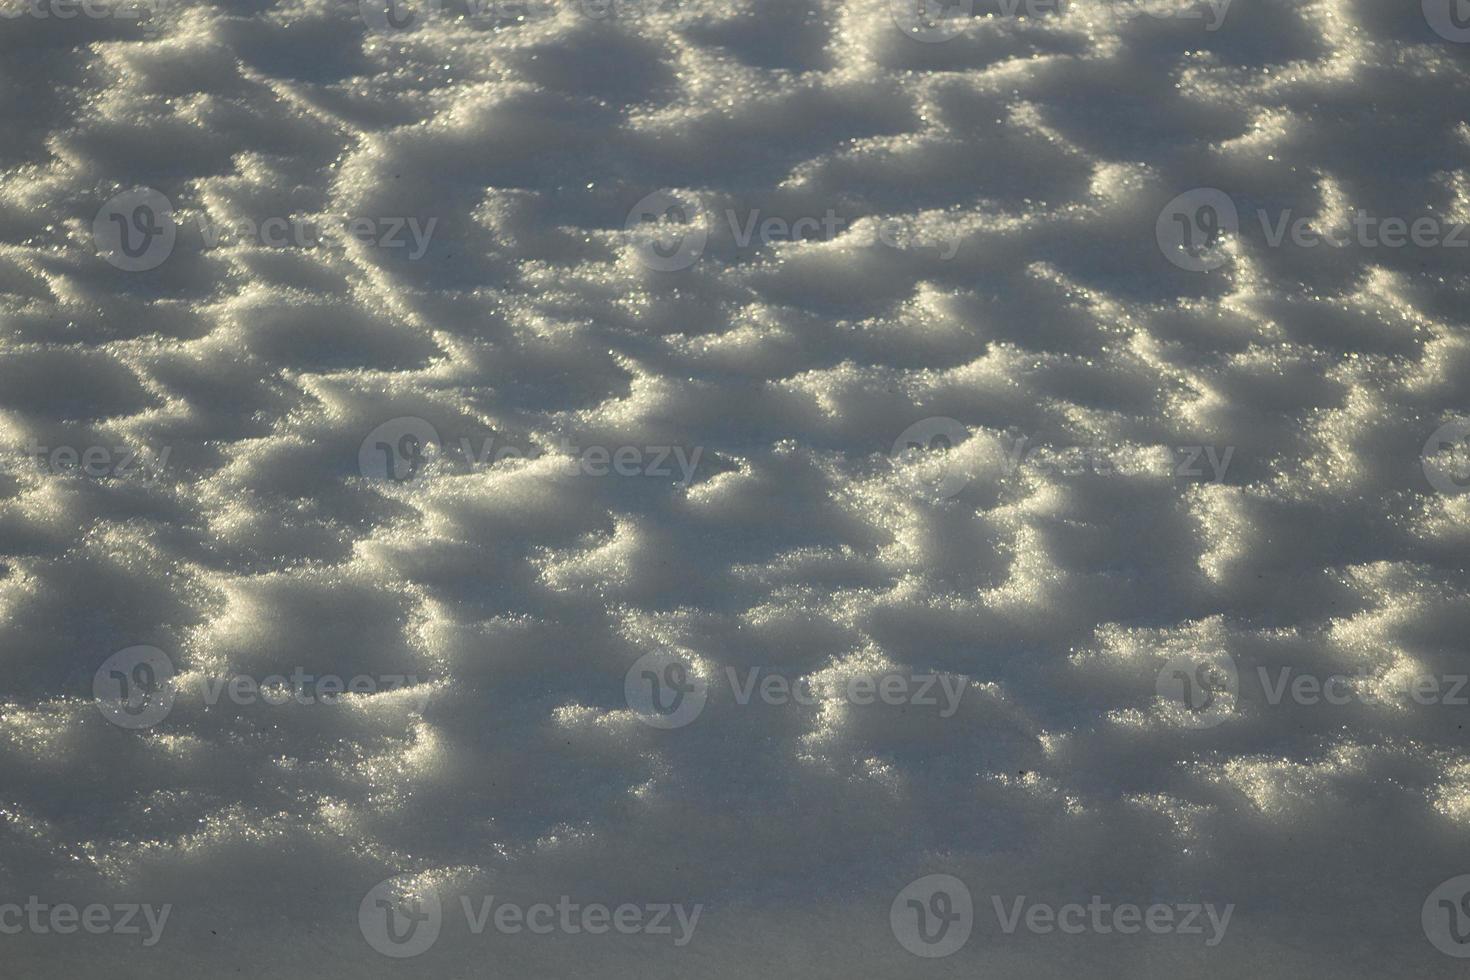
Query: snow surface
1182, 458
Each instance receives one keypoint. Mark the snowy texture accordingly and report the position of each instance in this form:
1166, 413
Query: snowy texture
740, 460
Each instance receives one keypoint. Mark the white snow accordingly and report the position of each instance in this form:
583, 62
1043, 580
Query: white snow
574, 376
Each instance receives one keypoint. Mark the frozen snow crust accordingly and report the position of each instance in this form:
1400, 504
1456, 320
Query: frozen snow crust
339, 343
